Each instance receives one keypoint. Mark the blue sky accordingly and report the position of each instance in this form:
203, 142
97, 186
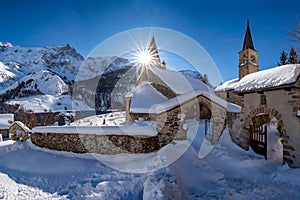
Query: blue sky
219, 26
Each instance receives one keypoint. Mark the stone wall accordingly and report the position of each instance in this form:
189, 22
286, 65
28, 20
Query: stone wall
168, 123
4, 133
101, 144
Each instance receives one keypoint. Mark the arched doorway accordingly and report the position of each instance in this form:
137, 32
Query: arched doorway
258, 133
265, 136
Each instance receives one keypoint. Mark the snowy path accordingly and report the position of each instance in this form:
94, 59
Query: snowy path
227, 172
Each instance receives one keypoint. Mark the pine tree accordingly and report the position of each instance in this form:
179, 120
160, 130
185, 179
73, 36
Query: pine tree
283, 58
205, 80
293, 57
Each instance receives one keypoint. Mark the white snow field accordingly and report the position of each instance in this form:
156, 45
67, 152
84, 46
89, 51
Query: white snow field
222, 171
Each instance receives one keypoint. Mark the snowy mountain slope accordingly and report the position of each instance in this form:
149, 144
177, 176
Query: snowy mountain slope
32, 72
28, 72
96, 66
63, 60
6, 76
42, 82
191, 74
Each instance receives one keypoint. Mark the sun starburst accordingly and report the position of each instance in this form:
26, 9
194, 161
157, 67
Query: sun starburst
143, 57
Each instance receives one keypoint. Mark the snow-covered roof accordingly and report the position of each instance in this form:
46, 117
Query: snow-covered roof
273, 77
177, 82
23, 126
145, 96
228, 85
6, 120
177, 101
132, 130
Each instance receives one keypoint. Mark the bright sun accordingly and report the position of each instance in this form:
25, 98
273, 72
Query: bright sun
143, 58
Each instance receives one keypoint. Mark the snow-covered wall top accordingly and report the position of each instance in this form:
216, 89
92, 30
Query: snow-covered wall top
181, 99
132, 130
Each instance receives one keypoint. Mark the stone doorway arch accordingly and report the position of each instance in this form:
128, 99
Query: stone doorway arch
256, 122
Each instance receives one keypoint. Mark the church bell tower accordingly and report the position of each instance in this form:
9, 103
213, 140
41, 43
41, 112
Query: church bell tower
248, 57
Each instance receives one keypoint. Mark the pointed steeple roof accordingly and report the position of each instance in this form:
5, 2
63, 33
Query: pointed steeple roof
248, 43
154, 51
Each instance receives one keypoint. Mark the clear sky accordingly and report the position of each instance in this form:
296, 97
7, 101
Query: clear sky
219, 26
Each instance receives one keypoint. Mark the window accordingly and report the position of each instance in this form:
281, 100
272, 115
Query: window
245, 60
252, 60
263, 100
227, 94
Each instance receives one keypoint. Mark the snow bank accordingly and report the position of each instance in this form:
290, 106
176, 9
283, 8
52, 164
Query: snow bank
132, 130
273, 77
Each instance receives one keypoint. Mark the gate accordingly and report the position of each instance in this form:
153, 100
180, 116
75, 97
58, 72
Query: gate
258, 134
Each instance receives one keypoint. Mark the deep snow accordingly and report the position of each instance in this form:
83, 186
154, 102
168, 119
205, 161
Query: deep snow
225, 172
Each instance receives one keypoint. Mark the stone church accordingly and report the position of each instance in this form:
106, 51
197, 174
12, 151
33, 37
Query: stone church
269, 121
170, 98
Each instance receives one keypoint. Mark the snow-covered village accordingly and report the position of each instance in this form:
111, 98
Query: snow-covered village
149, 100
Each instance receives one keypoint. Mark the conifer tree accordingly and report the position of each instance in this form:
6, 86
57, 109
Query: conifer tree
283, 58
293, 57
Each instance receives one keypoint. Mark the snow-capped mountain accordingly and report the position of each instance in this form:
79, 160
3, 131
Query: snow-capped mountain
191, 74
96, 66
42, 82
64, 60
52, 71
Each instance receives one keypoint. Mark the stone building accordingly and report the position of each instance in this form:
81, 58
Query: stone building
162, 95
18, 131
270, 101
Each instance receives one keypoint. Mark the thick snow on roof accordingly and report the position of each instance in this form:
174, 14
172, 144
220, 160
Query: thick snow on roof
277, 76
178, 82
144, 96
228, 85
6, 120
176, 101
22, 126
132, 130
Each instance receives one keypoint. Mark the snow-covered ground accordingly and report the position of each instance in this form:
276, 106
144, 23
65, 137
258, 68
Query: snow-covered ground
225, 172
108, 119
